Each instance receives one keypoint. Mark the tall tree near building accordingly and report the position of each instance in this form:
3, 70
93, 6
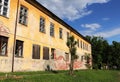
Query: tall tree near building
99, 46
71, 43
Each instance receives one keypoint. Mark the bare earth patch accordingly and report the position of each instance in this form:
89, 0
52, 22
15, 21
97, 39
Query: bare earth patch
10, 77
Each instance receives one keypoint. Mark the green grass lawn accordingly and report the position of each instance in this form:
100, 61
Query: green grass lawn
62, 76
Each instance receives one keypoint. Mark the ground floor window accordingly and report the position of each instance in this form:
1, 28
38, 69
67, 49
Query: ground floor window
67, 56
45, 53
19, 48
82, 58
52, 53
36, 52
3, 45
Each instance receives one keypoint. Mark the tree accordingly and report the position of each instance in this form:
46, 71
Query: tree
71, 43
104, 55
88, 58
115, 55
98, 48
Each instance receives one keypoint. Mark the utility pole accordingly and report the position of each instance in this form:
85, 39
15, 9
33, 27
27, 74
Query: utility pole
14, 43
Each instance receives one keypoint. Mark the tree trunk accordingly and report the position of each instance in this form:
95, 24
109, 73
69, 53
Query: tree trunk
71, 67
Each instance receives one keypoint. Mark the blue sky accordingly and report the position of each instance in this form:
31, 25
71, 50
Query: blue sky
89, 17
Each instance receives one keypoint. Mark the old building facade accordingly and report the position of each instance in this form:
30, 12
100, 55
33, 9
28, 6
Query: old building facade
32, 38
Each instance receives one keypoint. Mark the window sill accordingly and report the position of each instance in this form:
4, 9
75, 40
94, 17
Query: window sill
4, 16
35, 59
3, 55
61, 38
42, 32
52, 36
19, 57
23, 24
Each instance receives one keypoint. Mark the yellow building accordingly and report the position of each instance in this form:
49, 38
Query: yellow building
32, 38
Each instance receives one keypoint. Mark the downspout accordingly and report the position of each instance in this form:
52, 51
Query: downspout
14, 43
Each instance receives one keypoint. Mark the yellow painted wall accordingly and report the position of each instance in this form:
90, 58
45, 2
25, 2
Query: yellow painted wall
30, 35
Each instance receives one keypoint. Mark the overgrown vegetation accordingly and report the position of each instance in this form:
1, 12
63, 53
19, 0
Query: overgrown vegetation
88, 61
105, 55
62, 76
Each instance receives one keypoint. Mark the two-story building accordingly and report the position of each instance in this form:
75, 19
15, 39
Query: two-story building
32, 38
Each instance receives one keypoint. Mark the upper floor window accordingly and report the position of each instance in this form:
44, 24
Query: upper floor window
42, 24
78, 42
51, 29
68, 35
4, 7
23, 15
81, 44
3, 45
19, 48
60, 33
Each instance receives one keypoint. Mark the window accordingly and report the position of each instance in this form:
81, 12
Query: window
67, 56
60, 33
45, 53
52, 53
68, 35
42, 24
82, 58
36, 52
23, 15
78, 42
51, 29
81, 44
3, 45
19, 48
4, 4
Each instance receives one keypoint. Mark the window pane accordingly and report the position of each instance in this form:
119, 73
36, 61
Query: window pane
3, 45
4, 14
5, 9
6, 0
0, 1
6, 4
45, 53
0, 8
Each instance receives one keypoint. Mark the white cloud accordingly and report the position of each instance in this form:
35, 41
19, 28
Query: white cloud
93, 26
105, 34
110, 33
70, 9
105, 19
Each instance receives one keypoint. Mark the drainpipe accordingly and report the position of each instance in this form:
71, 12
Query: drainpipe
14, 43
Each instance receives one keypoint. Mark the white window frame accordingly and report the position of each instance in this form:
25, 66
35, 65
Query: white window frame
24, 19
52, 29
42, 24
8, 8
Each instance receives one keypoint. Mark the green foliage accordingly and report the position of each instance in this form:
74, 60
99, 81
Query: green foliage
104, 55
71, 43
88, 58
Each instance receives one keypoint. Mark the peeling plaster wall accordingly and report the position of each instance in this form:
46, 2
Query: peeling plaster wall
30, 35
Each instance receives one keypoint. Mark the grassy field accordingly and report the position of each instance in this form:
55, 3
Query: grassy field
62, 76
